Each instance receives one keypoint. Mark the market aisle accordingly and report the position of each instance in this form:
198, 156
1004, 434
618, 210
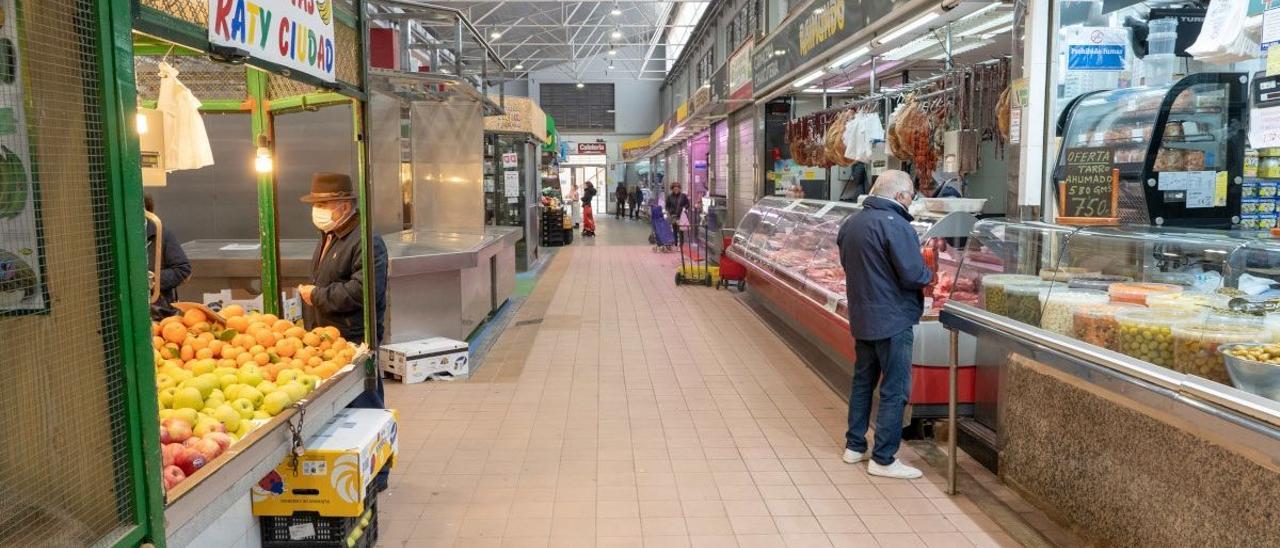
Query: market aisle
618, 410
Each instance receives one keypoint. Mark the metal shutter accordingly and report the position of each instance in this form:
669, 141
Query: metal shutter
744, 164
721, 160
588, 108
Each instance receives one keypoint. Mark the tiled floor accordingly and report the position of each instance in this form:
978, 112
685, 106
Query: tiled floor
620, 410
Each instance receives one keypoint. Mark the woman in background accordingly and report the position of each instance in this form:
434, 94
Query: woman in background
588, 218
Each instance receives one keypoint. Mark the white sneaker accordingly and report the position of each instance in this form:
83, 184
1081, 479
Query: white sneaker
852, 457
897, 470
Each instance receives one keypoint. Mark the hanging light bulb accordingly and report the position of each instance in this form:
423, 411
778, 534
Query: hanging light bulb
581, 85
495, 35
262, 160
610, 65
616, 34
519, 66
616, 11
140, 120
613, 51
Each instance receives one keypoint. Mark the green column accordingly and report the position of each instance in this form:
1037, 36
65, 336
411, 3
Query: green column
263, 133
366, 224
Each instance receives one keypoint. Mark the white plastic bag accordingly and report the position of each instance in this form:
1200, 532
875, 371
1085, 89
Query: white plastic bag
1223, 37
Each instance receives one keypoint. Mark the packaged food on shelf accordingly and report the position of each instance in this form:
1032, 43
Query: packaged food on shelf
992, 294
1147, 334
1065, 273
1058, 305
1137, 292
1022, 300
1195, 350
1096, 323
1099, 282
1170, 159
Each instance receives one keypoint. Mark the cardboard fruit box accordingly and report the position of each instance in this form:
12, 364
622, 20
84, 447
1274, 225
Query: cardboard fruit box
335, 472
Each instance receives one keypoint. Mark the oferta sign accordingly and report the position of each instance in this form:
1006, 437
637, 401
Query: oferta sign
295, 34
802, 39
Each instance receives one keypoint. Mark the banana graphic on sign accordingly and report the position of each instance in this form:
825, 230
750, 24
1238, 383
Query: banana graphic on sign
325, 9
345, 478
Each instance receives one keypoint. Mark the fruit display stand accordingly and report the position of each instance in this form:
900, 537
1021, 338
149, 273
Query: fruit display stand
264, 85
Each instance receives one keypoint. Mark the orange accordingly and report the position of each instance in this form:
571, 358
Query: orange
216, 346
238, 323
326, 371
295, 332
187, 353
174, 332
327, 344
244, 341
199, 343
265, 337
192, 317
280, 326
244, 358
314, 361
155, 329
227, 363
332, 332
169, 320
204, 354
329, 354
157, 342
257, 348
285, 349
262, 358
230, 352
311, 339
233, 311
268, 318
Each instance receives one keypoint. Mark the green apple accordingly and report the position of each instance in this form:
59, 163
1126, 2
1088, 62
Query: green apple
245, 428
232, 392
188, 397
207, 425
296, 391
275, 402
225, 381
204, 384
224, 371
166, 397
215, 400
287, 375
165, 380
250, 374
204, 367
244, 407
250, 393
309, 382
266, 387
188, 414
261, 415
228, 416
166, 413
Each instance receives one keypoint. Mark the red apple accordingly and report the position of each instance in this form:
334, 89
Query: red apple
170, 453
165, 439
209, 448
173, 476
222, 438
190, 460
177, 430
191, 441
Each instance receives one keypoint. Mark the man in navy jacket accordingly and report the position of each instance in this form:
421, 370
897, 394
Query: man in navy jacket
885, 275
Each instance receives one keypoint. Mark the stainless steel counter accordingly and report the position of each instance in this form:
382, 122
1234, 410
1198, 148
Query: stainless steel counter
237, 265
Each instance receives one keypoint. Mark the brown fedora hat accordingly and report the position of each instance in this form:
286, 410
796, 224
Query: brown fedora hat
327, 187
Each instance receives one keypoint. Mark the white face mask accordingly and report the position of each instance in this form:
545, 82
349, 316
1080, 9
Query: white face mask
322, 217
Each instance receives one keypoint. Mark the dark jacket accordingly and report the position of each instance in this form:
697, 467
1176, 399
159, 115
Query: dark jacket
339, 276
636, 196
174, 270
676, 203
621, 194
884, 270
588, 194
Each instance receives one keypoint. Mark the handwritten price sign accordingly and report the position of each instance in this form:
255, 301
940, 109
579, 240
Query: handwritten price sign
1089, 191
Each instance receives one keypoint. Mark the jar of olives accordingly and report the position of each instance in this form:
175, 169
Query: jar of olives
1022, 300
1058, 304
992, 291
1147, 334
1096, 323
1137, 292
1195, 344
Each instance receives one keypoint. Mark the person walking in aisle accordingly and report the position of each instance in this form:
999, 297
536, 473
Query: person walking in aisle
634, 199
620, 196
677, 204
885, 275
588, 217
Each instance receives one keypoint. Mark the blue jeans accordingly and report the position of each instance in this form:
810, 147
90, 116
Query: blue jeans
889, 362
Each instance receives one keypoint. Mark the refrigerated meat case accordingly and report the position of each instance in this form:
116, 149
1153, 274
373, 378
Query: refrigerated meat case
1080, 388
794, 275
1193, 125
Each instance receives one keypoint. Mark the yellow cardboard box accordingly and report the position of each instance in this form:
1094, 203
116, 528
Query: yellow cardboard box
334, 473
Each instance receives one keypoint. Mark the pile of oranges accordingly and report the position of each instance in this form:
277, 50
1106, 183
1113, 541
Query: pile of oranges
192, 341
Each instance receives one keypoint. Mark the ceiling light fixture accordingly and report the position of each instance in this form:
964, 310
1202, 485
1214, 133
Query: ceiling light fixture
616, 34
581, 85
852, 56
913, 25
982, 10
957, 50
495, 35
519, 66
828, 90
1001, 21
610, 65
818, 10
809, 78
616, 11
613, 51
907, 50
997, 32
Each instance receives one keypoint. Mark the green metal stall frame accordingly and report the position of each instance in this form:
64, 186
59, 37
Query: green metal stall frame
143, 27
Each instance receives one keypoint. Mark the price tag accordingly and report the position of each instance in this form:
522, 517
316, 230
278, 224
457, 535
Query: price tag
1090, 184
1015, 126
302, 531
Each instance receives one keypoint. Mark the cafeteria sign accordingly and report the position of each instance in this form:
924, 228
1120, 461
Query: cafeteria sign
295, 34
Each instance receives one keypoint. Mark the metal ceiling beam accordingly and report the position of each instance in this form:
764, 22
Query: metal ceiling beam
610, 2
486, 14
664, 16
608, 25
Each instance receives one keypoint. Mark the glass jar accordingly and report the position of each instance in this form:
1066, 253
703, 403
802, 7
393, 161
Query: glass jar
1137, 292
1186, 300
1100, 282
1022, 301
1096, 323
992, 290
1195, 344
1147, 334
1269, 163
1057, 307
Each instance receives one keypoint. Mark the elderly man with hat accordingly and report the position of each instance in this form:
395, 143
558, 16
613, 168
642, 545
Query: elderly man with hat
336, 295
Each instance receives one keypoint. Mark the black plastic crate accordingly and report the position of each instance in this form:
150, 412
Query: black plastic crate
328, 532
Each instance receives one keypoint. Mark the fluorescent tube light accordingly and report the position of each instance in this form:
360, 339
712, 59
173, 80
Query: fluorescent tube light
811, 77
982, 10
850, 57
957, 50
984, 27
917, 23
907, 50
996, 32
828, 90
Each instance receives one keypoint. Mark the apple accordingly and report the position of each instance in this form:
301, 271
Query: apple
190, 415
209, 448
227, 380
245, 428
169, 453
284, 376
221, 438
165, 413
295, 391
207, 425
165, 380
266, 387
224, 371
232, 392
175, 430
244, 407
309, 382
250, 374
250, 393
261, 415
203, 367
275, 402
173, 475
188, 397
228, 416
166, 397
190, 460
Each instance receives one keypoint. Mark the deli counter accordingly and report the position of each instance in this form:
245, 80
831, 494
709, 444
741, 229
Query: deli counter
1128, 375
788, 247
